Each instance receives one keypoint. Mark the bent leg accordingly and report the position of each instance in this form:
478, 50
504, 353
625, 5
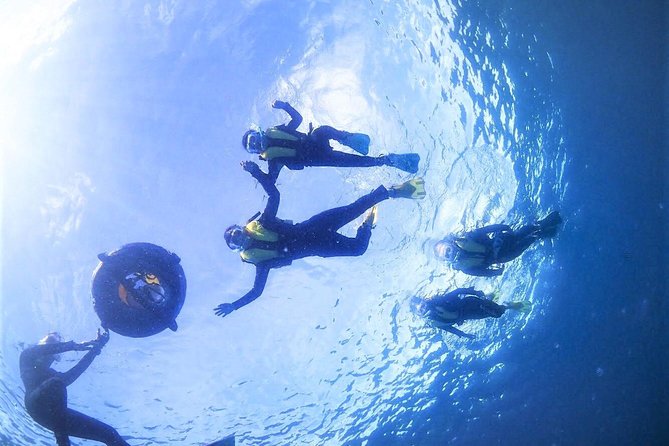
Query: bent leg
83, 426
338, 245
325, 133
333, 219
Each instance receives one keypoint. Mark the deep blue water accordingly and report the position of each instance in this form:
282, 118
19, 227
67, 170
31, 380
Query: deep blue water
515, 108
594, 369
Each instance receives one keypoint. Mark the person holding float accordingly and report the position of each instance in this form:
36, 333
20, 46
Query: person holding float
46, 390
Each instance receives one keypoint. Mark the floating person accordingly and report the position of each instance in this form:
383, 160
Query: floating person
463, 304
284, 145
138, 290
46, 390
482, 252
269, 242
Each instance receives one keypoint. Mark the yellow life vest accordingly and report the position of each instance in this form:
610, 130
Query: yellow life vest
257, 231
275, 133
279, 151
470, 246
257, 255
468, 262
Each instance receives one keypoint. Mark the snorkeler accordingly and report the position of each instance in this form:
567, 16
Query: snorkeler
46, 390
463, 304
269, 242
482, 251
284, 145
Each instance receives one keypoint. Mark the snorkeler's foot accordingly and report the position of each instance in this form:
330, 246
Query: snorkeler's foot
523, 307
549, 225
357, 141
408, 162
414, 189
371, 217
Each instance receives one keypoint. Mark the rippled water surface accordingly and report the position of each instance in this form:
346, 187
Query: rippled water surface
125, 125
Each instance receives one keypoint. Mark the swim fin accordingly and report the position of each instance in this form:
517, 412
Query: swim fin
523, 307
371, 217
414, 189
357, 141
227, 441
548, 226
408, 162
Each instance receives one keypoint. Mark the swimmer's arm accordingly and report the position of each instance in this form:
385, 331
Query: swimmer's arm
295, 116
273, 169
484, 272
57, 347
491, 229
266, 181
258, 287
457, 332
75, 372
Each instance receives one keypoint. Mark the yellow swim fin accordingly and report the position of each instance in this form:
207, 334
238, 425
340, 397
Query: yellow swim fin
414, 189
371, 217
523, 307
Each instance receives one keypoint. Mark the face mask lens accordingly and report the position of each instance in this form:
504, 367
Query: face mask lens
444, 251
236, 240
253, 143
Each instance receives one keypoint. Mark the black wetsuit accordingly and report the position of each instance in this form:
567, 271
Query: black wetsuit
46, 396
459, 305
501, 244
313, 149
317, 236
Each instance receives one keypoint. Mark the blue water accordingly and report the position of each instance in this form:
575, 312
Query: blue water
122, 123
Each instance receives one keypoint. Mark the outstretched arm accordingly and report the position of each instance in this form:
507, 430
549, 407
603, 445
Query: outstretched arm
295, 116
273, 169
490, 229
36, 352
258, 286
75, 372
267, 183
57, 347
456, 293
484, 272
460, 333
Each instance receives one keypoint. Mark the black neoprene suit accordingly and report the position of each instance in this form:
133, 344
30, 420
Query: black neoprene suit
46, 396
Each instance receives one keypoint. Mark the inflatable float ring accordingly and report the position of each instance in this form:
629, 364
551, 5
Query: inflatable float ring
138, 290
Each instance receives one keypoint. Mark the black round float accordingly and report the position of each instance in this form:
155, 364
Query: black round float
139, 289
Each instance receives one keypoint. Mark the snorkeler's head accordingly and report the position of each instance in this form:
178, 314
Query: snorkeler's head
51, 338
444, 250
252, 141
235, 237
142, 288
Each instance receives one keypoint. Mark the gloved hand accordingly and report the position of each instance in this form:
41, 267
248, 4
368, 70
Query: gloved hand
251, 167
101, 340
279, 104
224, 309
